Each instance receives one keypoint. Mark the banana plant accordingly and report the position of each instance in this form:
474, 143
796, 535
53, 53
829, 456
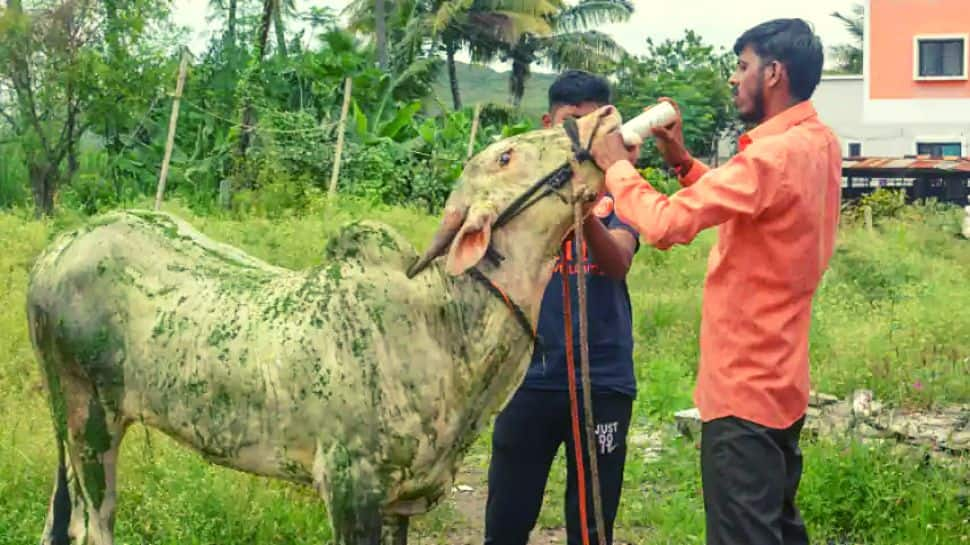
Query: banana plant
380, 122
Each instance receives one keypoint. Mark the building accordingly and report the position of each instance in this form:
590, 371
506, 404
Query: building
905, 121
913, 97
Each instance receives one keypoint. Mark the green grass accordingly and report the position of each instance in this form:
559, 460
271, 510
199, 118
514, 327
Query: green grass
893, 315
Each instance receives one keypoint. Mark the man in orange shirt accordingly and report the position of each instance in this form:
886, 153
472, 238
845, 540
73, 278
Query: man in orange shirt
776, 207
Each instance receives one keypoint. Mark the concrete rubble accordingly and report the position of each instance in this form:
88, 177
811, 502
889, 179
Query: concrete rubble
945, 429
650, 443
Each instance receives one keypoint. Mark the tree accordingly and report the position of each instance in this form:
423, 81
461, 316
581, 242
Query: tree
231, 7
451, 25
248, 116
849, 57
380, 25
412, 24
692, 73
46, 64
281, 9
563, 41
135, 68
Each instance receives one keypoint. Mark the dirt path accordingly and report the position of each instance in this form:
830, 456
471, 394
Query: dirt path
459, 519
463, 515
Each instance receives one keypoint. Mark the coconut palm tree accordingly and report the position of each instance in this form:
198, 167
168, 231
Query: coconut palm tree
281, 9
849, 56
248, 115
380, 31
231, 9
479, 25
566, 42
412, 23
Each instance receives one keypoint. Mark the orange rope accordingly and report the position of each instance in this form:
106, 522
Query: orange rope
573, 398
587, 382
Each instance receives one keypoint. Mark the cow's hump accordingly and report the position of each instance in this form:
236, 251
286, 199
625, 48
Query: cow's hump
370, 243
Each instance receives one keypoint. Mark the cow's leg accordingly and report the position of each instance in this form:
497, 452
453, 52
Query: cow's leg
348, 485
59, 509
364, 528
395, 531
368, 527
87, 482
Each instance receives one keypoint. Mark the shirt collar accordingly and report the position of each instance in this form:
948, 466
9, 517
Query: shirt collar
780, 123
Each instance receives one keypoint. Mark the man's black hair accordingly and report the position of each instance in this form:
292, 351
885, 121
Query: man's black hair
577, 86
793, 43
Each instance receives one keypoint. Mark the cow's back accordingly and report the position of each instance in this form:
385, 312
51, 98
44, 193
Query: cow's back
171, 329
256, 366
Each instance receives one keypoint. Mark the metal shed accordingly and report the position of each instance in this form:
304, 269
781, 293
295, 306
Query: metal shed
946, 179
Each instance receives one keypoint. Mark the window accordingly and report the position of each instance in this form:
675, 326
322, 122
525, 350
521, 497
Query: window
941, 57
855, 149
939, 149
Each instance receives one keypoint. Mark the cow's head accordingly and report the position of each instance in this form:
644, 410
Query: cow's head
504, 171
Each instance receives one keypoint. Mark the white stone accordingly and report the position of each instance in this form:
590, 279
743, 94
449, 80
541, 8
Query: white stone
966, 222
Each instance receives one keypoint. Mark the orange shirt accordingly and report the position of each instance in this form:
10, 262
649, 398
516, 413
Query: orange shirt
776, 205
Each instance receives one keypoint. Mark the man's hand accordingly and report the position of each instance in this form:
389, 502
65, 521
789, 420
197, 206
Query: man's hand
670, 141
611, 149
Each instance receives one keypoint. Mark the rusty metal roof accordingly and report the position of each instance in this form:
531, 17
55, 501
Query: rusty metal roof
909, 163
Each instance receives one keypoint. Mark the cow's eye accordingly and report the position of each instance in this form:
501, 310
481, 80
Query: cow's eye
505, 158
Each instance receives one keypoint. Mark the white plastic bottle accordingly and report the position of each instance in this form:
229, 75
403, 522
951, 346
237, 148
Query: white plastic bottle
637, 129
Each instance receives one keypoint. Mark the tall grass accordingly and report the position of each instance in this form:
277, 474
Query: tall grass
893, 315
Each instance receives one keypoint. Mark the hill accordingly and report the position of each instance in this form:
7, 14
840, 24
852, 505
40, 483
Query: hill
482, 84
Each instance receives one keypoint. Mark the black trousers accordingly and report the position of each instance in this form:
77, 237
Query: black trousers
525, 440
750, 476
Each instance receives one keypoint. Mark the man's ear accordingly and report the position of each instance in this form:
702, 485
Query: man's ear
546, 120
776, 71
472, 241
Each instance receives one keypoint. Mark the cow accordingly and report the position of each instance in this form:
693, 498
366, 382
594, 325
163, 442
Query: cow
367, 377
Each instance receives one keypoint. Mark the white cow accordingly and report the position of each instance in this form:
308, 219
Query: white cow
360, 378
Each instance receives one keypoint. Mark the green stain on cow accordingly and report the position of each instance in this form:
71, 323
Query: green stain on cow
222, 333
402, 450
96, 428
333, 273
98, 441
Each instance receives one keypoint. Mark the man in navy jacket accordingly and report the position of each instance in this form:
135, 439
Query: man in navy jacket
530, 430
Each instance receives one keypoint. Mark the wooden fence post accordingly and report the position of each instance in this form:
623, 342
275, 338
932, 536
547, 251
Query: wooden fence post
179, 86
475, 120
225, 193
348, 83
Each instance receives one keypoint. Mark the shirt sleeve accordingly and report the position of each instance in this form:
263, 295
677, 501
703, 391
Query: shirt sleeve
697, 169
746, 185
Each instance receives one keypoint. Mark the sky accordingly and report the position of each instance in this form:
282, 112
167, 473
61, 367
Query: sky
718, 22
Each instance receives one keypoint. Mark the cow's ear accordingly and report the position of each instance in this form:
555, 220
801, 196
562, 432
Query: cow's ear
472, 241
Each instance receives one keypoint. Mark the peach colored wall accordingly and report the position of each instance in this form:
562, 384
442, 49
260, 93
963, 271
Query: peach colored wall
892, 26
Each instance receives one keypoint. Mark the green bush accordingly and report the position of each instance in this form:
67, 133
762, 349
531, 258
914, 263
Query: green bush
884, 202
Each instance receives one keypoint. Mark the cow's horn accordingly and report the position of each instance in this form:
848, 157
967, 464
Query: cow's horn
450, 225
